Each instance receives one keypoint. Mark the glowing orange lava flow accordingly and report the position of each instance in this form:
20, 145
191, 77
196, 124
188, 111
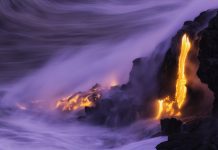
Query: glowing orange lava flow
80, 100
172, 106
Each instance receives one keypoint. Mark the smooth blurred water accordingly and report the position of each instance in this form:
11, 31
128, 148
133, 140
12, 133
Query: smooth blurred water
50, 48
22, 132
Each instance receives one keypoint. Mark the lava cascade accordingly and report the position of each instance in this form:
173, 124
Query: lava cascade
171, 106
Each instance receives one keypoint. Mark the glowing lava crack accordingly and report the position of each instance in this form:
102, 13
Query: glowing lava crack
168, 106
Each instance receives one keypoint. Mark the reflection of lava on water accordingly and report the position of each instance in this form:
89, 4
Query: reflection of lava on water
171, 106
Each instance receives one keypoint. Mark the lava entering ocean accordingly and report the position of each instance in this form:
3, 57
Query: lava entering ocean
80, 99
171, 106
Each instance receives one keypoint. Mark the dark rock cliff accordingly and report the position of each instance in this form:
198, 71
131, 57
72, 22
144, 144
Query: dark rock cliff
200, 133
208, 57
197, 101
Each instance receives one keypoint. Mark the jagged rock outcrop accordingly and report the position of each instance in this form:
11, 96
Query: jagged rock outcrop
134, 100
208, 57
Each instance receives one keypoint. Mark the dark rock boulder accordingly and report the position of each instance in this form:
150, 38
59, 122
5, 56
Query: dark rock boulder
170, 126
198, 134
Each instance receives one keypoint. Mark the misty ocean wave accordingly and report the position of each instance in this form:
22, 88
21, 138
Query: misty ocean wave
21, 131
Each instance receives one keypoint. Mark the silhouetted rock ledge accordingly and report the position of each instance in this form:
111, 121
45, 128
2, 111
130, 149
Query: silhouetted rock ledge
208, 57
199, 134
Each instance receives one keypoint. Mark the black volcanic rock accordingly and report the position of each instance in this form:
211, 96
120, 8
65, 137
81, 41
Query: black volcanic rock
198, 134
170, 126
208, 57
112, 113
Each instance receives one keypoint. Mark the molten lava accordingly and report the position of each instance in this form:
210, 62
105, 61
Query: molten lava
172, 106
80, 100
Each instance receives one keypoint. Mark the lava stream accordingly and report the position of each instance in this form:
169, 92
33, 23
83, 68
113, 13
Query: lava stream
169, 106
